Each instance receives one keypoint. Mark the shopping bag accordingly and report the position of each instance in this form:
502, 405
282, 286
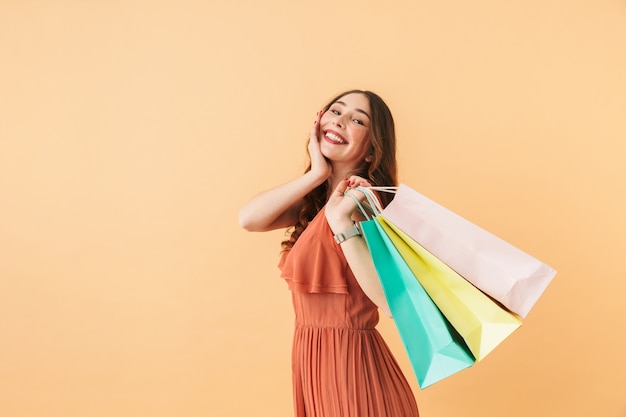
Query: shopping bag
504, 272
479, 320
433, 347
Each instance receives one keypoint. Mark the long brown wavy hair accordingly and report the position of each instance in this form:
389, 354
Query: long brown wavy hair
381, 170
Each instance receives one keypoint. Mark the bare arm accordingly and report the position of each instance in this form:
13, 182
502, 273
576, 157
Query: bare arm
278, 207
339, 212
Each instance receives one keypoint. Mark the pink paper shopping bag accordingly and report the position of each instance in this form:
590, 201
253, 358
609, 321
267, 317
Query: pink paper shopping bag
496, 267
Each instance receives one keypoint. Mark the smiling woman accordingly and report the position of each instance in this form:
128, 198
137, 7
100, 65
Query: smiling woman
341, 365
345, 130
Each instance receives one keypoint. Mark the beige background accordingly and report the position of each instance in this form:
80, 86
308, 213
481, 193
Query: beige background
131, 132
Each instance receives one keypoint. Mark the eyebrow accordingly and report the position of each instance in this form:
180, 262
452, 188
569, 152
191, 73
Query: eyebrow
358, 110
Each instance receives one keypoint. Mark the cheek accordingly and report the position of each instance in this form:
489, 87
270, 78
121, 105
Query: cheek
325, 118
361, 136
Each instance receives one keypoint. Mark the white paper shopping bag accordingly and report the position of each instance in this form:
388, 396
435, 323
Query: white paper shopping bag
499, 269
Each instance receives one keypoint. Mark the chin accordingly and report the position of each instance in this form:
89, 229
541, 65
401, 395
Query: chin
325, 152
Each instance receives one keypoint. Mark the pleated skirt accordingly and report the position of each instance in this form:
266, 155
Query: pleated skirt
347, 372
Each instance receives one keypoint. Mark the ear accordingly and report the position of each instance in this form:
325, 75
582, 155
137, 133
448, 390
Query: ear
369, 158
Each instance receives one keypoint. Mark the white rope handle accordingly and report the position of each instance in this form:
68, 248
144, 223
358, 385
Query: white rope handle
385, 188
372, 200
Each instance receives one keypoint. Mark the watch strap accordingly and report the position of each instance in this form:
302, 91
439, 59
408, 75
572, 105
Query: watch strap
351, 232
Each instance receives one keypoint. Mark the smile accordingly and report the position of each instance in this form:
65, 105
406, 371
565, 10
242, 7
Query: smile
335, 138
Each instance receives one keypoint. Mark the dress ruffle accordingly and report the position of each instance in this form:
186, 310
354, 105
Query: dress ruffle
312, 266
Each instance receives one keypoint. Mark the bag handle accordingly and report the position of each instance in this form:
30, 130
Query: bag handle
372, 200
385, 188
360, 205
373, 204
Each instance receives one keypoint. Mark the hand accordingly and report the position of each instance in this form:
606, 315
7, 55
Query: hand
320, 166
340, 208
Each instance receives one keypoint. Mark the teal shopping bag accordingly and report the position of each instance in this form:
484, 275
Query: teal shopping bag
433, 346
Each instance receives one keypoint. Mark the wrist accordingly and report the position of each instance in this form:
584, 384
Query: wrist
317, 178
353, 231
339, 224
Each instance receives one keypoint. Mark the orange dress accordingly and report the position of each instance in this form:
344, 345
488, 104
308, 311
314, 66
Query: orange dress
341, 365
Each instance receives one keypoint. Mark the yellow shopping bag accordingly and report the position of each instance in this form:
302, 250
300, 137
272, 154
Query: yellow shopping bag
481, 322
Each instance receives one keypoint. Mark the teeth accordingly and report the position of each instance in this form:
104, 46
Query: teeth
334, 138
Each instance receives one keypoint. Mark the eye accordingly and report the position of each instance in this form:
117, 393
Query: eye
358, 122
335, 112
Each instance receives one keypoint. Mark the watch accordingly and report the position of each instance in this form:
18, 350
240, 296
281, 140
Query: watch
351, 232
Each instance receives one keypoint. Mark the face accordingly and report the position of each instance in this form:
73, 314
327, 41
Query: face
345, 129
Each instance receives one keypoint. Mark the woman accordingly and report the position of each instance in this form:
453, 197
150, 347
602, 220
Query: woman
341, 365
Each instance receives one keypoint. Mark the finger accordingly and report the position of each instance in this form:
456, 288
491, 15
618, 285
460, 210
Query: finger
341, 188
316, 124
356, 181
356, 193
314, 132
314, 137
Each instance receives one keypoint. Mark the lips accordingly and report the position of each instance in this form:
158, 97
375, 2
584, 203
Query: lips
334, 137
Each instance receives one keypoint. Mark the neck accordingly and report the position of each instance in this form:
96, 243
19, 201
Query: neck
339, 174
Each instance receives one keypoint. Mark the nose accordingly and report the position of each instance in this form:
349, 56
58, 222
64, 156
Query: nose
339, 121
